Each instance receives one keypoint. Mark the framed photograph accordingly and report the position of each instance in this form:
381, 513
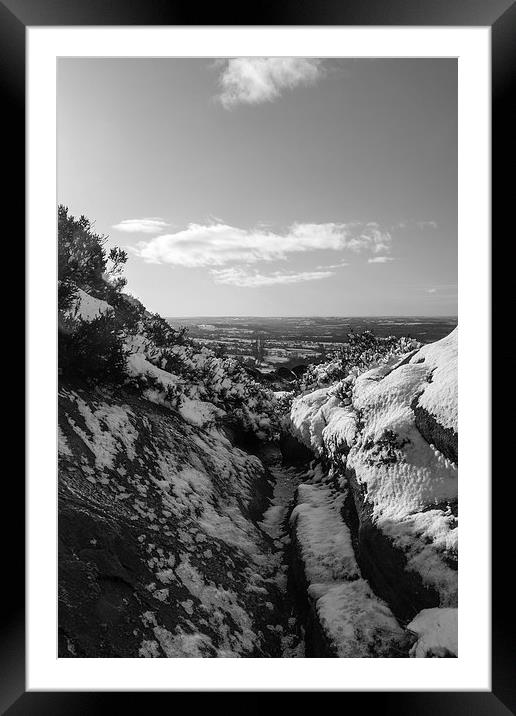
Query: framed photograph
258, 337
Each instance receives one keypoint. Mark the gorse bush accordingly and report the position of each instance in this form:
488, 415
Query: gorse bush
161, 333
361, 352
143, 383
129, 311
92, 351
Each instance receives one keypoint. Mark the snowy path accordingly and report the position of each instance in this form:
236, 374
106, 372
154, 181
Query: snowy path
275, 524
274, 519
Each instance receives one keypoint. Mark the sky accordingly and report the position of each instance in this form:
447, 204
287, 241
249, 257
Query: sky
268, 186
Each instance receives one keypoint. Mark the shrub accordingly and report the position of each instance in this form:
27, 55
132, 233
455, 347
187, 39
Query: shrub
92, 351
161, 333
129, 311
361, 352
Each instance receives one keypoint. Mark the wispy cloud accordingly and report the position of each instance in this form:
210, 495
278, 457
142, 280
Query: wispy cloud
141, 226
252, 80
338, 265
219, 244
431, 290
421, 225
380, 259
243, 278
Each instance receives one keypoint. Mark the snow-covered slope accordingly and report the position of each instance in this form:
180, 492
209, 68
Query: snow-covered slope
160, 554
160, 549
174, 372
392, 436
164, 545
87, 307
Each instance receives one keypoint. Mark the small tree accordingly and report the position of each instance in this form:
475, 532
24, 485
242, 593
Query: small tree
83, 262
81, 255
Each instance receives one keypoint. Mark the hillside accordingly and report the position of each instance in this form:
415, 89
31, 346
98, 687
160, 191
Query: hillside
201, 514
160, 553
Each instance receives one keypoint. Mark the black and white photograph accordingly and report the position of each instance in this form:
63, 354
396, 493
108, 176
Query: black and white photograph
257, 357
260, 325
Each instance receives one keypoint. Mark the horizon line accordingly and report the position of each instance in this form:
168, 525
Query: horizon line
228, 315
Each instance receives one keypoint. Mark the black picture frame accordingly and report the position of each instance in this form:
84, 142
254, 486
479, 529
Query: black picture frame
500, 15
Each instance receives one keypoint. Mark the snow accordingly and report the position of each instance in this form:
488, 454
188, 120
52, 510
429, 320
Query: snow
219, 604
322, 422
136, 343
189, 489
206, 386
437, 631
340, 432
429, 550
274, 518
353, 618
87, 307
178, 645
200, 484
62, 445
149, 649
357, 622
193, 411
440, 396
199, 412
407, 482
138, 365
324, 539
109, 431
309, 416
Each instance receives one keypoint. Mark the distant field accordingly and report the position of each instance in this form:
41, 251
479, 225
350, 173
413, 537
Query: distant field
268, 343
317, 329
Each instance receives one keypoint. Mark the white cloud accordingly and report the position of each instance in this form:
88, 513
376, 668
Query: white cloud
219, 244
241, 277
252, 80
431, 290
379, 259
141, 226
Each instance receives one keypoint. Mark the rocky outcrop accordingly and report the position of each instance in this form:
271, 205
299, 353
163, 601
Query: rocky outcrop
446, 440
384, 565
391, 440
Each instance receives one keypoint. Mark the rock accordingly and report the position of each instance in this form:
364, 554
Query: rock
437, 632
446, 440
384, 566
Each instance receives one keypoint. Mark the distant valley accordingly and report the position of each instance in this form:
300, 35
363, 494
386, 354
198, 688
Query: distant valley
269, 343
